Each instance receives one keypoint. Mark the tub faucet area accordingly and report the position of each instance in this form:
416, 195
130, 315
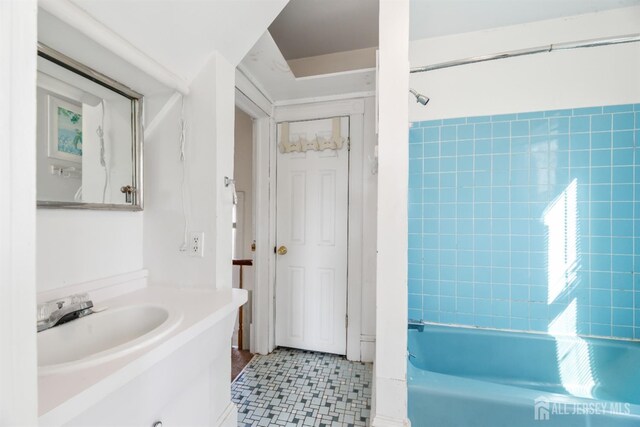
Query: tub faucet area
56, 312
416, 325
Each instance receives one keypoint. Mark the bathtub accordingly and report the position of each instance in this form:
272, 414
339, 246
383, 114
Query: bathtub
459, 376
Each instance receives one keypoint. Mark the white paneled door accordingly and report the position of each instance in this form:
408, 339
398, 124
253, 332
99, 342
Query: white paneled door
311, 237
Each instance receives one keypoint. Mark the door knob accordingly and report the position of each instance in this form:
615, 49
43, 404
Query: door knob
282, 250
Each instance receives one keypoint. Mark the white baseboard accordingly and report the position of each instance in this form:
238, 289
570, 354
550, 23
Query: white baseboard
389, 402
382, 421
367, 348
229, 417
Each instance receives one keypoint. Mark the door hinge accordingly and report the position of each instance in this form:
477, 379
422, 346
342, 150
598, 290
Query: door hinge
346, 320
348, 144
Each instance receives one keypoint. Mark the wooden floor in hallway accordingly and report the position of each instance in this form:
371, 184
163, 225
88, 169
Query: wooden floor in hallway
239, 359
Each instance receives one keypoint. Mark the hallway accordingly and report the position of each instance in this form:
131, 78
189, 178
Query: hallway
300, 388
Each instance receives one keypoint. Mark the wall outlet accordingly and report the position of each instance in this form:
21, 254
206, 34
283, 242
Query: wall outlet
196, 244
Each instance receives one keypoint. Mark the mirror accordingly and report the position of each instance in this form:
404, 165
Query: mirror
89, 141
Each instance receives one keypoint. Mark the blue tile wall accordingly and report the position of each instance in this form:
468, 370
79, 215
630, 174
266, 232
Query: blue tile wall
527, 221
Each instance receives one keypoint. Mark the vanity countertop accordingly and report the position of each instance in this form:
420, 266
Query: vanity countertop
62, 396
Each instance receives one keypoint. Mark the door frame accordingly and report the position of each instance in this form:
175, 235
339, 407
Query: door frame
251, 99
259, 108
354, 109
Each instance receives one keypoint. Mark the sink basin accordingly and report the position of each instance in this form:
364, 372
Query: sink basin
101, 337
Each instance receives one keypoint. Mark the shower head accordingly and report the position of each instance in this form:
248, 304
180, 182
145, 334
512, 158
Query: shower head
421, 99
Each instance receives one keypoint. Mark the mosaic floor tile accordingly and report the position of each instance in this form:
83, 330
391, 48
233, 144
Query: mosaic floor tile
301, 388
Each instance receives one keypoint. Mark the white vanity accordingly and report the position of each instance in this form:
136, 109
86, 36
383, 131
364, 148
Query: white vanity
148, 355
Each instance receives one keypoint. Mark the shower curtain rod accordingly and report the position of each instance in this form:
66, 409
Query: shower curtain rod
631, 38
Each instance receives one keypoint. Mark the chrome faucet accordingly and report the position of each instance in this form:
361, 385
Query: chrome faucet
59, 311
415, 325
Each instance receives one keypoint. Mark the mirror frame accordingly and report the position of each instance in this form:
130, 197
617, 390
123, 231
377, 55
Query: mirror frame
136, 132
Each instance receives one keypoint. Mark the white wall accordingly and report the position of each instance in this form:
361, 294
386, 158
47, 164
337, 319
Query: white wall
209, 157
564, 79
77, 246
390, 386
18, 371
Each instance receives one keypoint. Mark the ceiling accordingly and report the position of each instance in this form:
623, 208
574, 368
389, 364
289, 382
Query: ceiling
434, 18
307, 28
182, 35
265, 65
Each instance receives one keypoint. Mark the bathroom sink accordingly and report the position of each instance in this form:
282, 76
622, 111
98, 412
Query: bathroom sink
103, 336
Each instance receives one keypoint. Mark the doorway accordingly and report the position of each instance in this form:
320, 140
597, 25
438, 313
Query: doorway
242, 236
312, 204
358, 114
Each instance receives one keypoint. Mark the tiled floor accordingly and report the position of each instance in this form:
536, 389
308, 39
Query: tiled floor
301, 388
